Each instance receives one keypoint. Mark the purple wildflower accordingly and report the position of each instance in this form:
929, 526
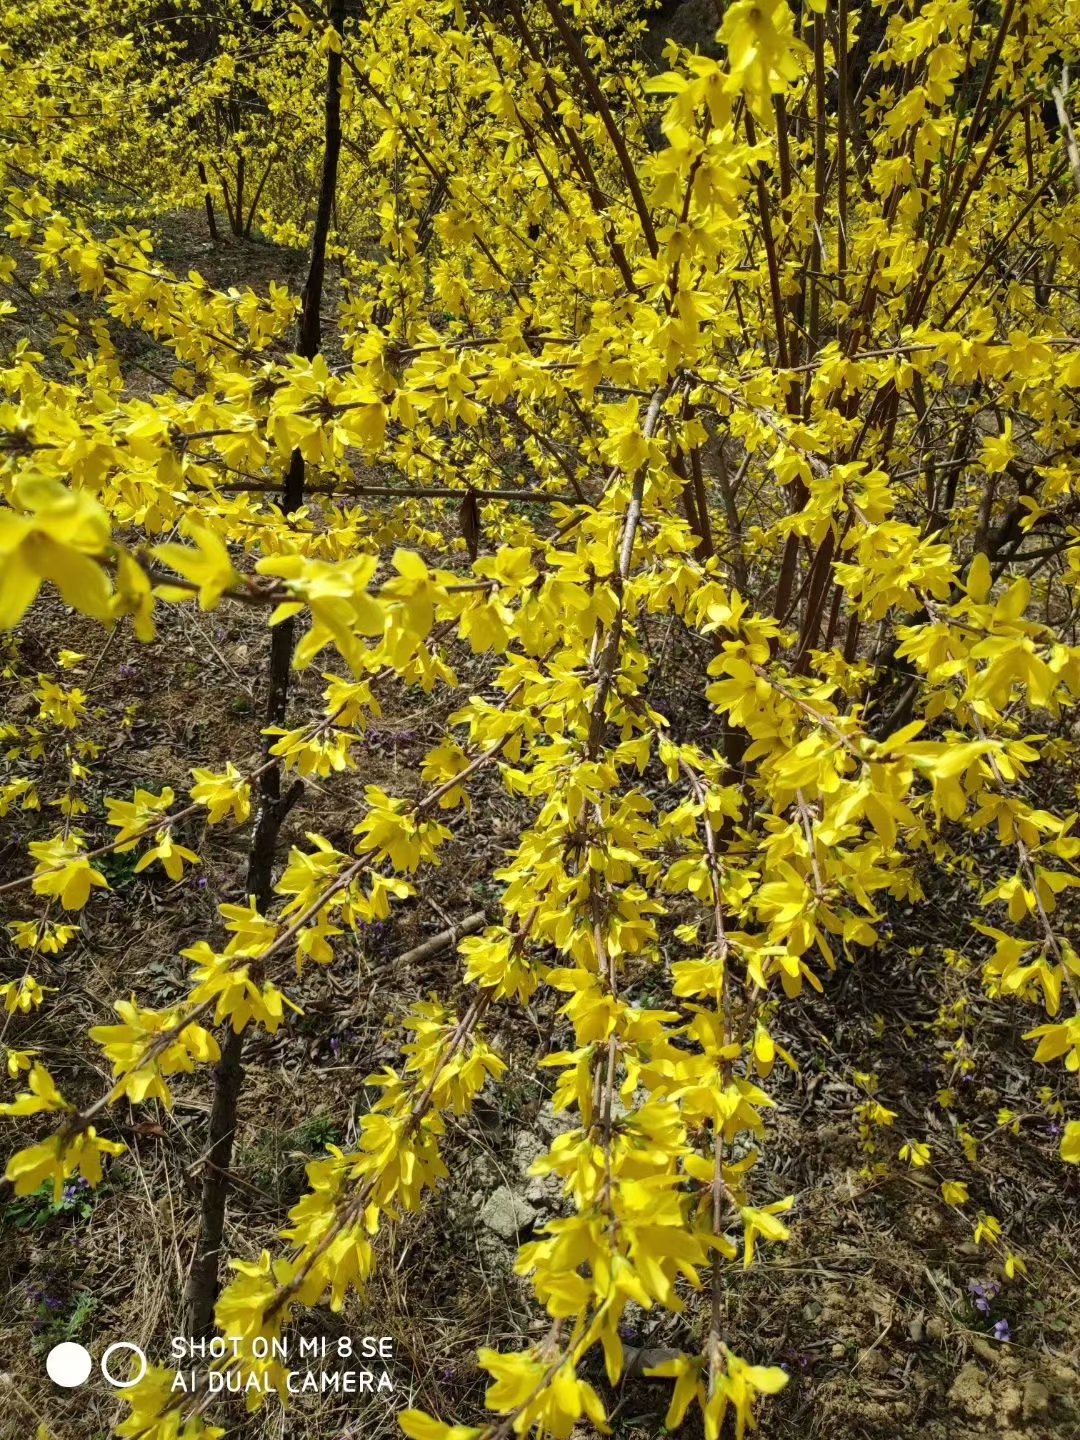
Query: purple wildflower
1001, 1331
982, 1294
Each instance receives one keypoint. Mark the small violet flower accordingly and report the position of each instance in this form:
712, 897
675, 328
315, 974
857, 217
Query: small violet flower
982, 1295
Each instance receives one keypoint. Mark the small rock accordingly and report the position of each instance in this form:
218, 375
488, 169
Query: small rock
1009, 1402
916, 1328
935, 1327
985, 1350
996, 1354
871, 1361
639, 1361
553, 1122
968, 1393
528, 1146
1036, 1401
507, 1214
542, 1190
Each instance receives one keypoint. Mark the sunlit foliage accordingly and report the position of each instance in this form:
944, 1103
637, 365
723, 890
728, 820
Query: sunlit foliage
780, 348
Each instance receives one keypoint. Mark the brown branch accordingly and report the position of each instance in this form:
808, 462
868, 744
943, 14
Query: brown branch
596, 95
469, 926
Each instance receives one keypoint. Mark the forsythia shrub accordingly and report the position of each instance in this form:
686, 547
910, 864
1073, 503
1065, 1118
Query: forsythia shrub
781, 348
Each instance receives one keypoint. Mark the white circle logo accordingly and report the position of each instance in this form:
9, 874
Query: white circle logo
68, 1364
121, 1345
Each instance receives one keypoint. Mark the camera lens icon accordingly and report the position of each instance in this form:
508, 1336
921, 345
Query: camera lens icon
69, 1364
116, 1346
